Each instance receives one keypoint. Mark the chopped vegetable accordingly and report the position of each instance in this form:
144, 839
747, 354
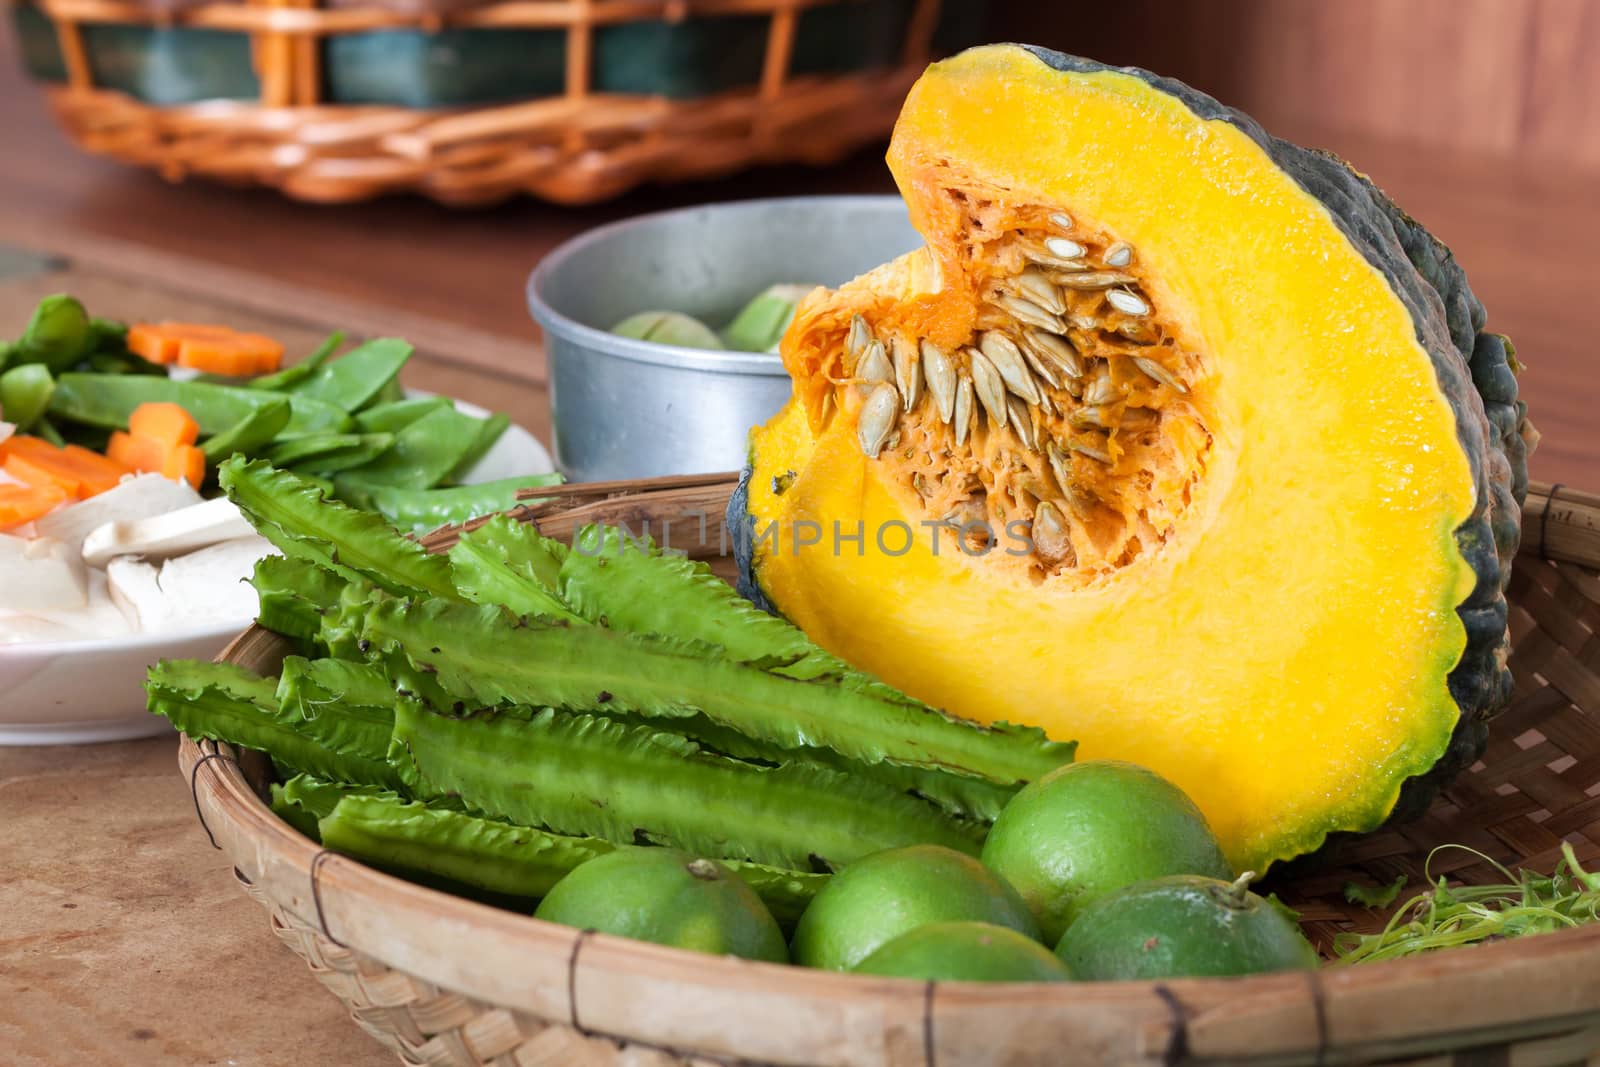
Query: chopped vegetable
24, 503
186, 463
164, 421
76, 470
39, 574
217, 349
143, 454
40, 475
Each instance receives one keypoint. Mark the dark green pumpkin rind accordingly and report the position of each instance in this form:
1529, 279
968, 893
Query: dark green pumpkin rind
1476, 374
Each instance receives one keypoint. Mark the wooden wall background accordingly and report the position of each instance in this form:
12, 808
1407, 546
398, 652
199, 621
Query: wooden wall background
1514, 78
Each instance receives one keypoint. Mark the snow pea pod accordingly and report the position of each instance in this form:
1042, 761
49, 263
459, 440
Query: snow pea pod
110, 336
108, 399
329, 452
250, 434
488, 433
396, 416
351, 381
58, 334
25, 394
425, 452
294, 374
421, 510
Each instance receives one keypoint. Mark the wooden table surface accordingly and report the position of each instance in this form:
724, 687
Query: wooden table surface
122, 937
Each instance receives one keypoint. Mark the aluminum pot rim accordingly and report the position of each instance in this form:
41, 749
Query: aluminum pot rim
760, 364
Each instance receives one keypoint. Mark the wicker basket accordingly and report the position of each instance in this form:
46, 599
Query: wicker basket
444, 981
474, 101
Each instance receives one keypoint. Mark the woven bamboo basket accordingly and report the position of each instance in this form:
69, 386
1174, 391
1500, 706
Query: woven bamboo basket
473, 101
445, 981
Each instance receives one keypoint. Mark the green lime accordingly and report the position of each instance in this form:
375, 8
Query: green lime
881, 896
668, 328
965, 952
1086, 829
670, 898
1183, 927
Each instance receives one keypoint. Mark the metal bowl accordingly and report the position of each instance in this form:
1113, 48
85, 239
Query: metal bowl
624, 408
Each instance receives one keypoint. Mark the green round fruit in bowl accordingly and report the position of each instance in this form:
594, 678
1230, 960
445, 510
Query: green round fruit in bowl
668, 328
670, 898
965, 952
1087, 829
889, 893
1183, 927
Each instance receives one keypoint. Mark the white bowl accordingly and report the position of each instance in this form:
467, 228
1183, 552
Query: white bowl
80, 691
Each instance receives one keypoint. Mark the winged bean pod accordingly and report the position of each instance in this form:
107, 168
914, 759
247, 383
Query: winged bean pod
588, 775
485, 655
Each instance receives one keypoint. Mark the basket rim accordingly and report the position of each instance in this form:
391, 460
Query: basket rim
1222, 1016
532, 966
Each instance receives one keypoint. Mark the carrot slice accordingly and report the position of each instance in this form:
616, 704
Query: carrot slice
137, 453
164, 421
24, 503
23, 444
42, 474
215, 349
185, 463
98, 473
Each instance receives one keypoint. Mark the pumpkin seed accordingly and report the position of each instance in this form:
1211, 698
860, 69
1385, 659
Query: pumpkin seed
1036, 287
1022, 422
907, 373
1159, 373
877, 418
1127, 302
963, 413
1007, 359
1049, 533
859, 338
1085, 417
1061, 220
989, 385
1101, 389
941, 376
1029, 312
1094, 279
874, 364
1056, 263
1060, 466
1047, 371
1119, 254
1055, 350
1061, 246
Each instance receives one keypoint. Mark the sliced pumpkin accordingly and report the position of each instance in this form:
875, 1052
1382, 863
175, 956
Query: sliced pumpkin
1175, 439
